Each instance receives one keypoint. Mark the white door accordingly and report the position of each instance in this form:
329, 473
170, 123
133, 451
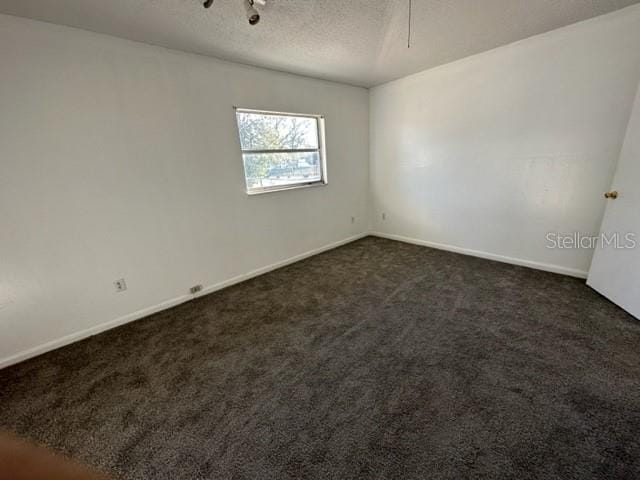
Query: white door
615, 272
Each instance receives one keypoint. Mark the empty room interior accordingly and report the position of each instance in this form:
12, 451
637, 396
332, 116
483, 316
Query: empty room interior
319, 239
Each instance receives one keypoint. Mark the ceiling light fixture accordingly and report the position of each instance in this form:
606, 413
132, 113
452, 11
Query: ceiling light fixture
253, 16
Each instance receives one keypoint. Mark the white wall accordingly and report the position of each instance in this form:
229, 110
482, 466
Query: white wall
489, 154
119, 159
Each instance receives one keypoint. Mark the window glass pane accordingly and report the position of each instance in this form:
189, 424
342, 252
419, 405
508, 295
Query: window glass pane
278, 169
259, 131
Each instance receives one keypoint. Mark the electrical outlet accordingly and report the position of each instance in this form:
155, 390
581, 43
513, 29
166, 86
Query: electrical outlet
195, 289
384, 216
120, 285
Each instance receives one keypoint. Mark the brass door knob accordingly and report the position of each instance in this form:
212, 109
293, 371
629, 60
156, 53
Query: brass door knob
612, 195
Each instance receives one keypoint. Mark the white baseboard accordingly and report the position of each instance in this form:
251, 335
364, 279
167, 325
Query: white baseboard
283, 263
74, 337
547, 267
89, 332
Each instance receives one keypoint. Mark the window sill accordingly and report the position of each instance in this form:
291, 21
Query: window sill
260, 191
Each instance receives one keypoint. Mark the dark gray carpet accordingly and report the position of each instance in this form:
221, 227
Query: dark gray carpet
375, 360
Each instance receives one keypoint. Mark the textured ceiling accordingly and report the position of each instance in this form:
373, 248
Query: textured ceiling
362, 42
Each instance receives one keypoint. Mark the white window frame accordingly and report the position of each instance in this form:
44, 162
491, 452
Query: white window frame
321, 150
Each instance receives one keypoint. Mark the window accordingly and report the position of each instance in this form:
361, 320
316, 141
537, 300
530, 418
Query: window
281, 150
